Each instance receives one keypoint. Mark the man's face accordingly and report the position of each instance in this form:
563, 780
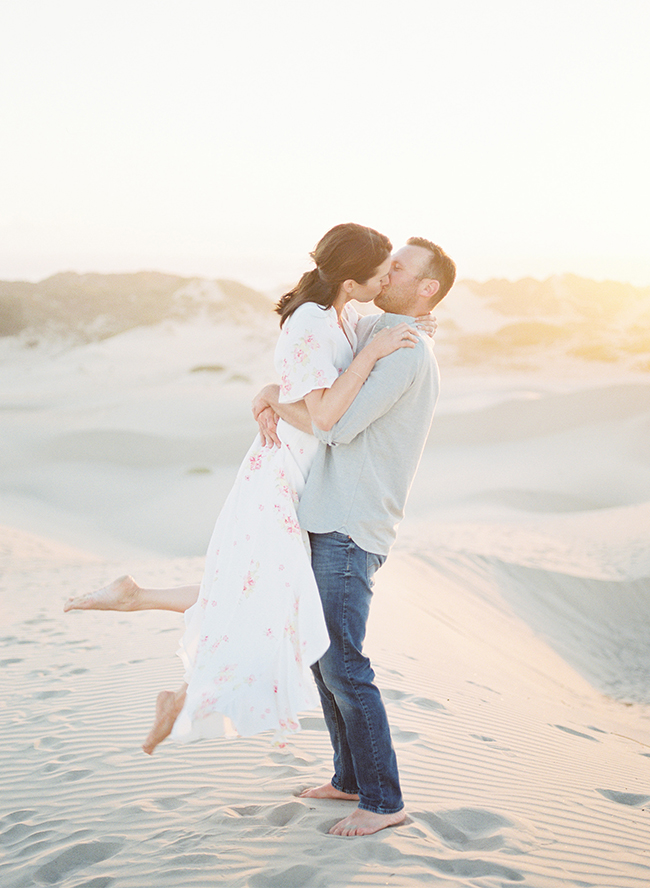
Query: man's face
401, 293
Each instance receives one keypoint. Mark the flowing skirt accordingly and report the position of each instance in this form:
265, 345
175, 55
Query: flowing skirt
258, 623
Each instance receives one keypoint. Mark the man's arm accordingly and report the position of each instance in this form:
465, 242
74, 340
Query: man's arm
296, 414
390, 378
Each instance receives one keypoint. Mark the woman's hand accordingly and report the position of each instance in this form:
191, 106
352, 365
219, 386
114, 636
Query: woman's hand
390, 339
428, 324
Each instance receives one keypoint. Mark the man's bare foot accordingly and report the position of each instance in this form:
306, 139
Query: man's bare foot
121, 595
168, 707
365, 823
327, 791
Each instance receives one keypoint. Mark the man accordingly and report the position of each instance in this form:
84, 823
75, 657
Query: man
353, 500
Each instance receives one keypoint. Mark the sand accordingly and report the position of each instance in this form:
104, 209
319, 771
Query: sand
509, 632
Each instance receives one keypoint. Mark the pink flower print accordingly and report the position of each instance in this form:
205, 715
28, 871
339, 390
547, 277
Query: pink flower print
280, 566
299, 355
218, 642
255, 462
249, 680
269, 632
275, 687
261, 507
250, 580
207, 705
291, 525
225, 674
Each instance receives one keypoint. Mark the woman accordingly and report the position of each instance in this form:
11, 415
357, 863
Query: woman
257, 624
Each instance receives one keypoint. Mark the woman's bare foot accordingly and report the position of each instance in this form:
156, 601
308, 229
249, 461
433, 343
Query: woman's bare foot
327, 791
121, 595
168, 707
365, 823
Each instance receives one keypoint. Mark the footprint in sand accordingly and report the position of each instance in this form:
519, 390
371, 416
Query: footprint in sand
75, 858
393, 694
432, 705
484, 739
404, 736
245, 811
48, 695
575, 733
288, 813
625, 798
294, 877
73, 776
467, 829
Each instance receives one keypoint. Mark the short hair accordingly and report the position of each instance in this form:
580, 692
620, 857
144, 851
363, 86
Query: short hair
439, 266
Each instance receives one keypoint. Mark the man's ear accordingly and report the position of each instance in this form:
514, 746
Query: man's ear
429, 288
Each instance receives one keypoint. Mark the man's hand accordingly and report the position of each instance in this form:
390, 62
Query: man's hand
295, 413
267, 420
265, 415
267, 397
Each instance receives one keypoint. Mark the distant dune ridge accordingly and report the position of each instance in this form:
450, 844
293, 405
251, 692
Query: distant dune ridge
509, 627
497, 321
90, 307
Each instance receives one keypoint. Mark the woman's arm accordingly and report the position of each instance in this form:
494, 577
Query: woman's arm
327, 406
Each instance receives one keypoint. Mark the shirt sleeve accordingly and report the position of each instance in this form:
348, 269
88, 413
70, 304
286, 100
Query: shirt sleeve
365, 330
390, 378
306, 353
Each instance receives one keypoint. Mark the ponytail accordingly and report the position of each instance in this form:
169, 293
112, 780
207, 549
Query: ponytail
347, 252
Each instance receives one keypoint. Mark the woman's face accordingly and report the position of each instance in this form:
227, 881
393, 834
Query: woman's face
373, 287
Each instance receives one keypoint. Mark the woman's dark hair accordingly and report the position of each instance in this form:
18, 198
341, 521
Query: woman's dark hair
347, 252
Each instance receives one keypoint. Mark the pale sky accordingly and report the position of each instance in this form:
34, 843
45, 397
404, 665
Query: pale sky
222, 139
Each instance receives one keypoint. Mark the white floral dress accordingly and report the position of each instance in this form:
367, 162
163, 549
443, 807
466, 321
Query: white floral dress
258, 625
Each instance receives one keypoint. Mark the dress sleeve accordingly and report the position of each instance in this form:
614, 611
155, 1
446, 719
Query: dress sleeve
305, 356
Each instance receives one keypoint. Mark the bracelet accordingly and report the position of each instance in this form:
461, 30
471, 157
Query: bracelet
362, 378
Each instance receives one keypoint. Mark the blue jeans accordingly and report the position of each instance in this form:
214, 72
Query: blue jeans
364, 758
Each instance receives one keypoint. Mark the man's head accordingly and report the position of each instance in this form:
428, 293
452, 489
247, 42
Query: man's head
421, 275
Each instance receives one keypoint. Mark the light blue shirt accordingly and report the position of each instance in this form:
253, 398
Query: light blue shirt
364, 468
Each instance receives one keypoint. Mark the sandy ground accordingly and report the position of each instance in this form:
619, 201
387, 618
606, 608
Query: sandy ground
509, 632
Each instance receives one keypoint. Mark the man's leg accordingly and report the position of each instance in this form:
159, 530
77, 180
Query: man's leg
364, 758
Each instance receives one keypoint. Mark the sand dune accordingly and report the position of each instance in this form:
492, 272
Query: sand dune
509, 631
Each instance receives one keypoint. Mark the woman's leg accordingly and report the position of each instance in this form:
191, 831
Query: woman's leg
168, 707
124, 594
